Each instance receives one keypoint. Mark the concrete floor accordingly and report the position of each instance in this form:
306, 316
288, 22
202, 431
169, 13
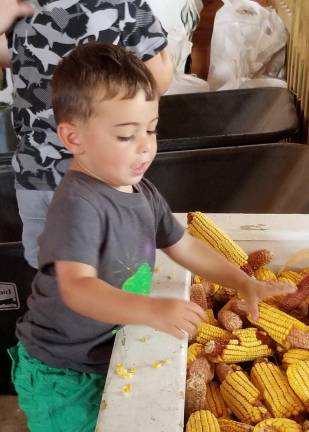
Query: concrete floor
12, 418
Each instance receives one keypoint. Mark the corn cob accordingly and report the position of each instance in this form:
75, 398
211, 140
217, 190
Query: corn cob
294, 355
207, 332
291, 276
200, 226
259, 258
199, 296
277, 425
215, 347
195, 395
304, 271
241, 395
202, 421
228, 319
299, 338
298, 376
246, 347
277, 394
215, 402
195, 350
305, 426
265, 274
276, 323
201, 367
227, 425
247, 269
292, 301
211, 317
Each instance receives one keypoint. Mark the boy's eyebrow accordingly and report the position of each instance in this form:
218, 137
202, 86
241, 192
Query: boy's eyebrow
134, 123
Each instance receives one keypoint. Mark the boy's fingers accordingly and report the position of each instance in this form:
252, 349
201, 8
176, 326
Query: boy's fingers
282, 288
198, 310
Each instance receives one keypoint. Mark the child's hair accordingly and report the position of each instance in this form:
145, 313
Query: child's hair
96, 72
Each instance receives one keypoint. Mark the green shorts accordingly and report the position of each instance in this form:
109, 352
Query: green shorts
54, 399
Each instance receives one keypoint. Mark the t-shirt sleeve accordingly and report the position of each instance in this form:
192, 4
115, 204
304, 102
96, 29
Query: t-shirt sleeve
142, 33
73, 232
168, 230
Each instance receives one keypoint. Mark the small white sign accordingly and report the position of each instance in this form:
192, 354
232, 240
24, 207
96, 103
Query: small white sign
8, 296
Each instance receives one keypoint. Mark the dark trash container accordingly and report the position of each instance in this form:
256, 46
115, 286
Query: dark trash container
15, 286
10, 222
7, 133
263, 178
226, 118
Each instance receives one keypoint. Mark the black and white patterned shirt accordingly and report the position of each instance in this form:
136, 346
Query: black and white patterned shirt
37, 44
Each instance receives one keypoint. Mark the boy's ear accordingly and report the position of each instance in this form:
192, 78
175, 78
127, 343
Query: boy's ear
70, 138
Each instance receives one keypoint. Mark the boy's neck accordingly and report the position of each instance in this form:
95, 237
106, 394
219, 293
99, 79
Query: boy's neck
77, 165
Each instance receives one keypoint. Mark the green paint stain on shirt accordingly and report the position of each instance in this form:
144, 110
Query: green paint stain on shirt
140, 281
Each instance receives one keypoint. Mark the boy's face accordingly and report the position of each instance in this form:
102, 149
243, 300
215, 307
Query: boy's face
119, 142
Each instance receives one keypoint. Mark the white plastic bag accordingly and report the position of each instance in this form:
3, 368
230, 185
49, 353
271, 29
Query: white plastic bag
179, 18
185, 83
248, 42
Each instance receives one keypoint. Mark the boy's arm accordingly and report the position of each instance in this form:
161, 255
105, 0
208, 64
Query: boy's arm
87, 295
4, 52
162, 69
10, 11
201, 259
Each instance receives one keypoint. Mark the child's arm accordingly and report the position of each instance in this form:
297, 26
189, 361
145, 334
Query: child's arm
10, 11
201, 259
87, 295
162, 69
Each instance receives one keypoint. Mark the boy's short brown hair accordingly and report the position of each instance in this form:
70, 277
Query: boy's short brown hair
97, 71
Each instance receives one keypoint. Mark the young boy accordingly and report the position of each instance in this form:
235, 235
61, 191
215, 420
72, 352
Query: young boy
36, 44
97, 250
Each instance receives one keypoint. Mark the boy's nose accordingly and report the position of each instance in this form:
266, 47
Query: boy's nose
144, 144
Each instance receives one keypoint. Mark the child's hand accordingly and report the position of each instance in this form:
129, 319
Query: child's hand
10, 10
175, 317
255, 291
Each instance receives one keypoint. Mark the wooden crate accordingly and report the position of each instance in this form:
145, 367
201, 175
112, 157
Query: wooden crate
295, 14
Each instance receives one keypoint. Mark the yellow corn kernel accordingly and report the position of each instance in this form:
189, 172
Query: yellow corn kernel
278, 425
207, 332
202, 227
277, 394
127, 388
227, 425
294, 355
197, 279
298, 376
276, 323
215, 402
264, 274
202, 421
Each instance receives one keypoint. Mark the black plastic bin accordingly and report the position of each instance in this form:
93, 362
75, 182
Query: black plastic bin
263, 178
10, 222
7, 133
225, 118
15, 286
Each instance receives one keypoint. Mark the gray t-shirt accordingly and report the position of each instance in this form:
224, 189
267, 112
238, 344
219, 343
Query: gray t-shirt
115, 232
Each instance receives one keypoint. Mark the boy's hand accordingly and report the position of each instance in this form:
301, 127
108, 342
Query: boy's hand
254, 291
175, 317
11, 10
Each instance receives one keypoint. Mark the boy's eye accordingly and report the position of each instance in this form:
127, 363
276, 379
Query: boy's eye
123, 138
153, 132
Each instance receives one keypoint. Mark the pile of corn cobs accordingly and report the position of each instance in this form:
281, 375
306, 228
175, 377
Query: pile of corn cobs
245, 375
